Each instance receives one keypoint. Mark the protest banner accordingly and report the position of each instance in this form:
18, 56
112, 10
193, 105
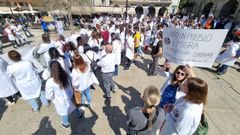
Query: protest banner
196, 47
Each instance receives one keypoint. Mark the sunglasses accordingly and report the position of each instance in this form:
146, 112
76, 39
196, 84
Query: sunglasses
180, 73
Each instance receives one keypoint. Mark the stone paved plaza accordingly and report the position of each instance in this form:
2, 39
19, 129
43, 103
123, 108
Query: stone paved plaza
108, 118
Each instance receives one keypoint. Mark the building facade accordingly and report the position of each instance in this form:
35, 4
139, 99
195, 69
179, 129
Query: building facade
219, 8
153, 7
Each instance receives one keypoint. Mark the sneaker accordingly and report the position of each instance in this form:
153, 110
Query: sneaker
10, 103
47, 105
66, 126
107, 97
37, 111
88, 105
113, 91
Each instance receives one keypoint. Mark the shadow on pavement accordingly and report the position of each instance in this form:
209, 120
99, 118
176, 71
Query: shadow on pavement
45, 127
143, 65
134, 100
116, 119
3, 107
85, 125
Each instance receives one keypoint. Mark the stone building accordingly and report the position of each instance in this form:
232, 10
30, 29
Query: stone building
219, 8
153, 7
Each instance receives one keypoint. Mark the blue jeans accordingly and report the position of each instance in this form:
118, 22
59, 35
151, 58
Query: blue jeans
86, 93
116, 70
65, 120
140, 52
222, 69
33, 102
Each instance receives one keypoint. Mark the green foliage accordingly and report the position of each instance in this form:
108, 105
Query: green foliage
182, 3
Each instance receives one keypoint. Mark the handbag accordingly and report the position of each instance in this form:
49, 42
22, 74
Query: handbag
77, 97
202, 127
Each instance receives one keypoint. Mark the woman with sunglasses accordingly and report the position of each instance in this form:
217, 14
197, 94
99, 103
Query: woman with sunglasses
184, 116
170, 90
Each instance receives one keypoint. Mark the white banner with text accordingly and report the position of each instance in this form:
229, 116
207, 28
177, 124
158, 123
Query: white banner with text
196, 47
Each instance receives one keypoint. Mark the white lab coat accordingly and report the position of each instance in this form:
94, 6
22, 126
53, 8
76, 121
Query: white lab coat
11, 37
7, 86
227, 57
81, 81
26, 79
117, 48
20, 33
59, 25
43, 49
62, 98
183, 119
59, 45
130, 48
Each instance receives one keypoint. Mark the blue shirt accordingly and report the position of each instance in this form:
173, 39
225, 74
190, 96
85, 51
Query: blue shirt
168, 95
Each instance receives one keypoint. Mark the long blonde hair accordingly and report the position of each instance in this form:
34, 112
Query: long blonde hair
151, 98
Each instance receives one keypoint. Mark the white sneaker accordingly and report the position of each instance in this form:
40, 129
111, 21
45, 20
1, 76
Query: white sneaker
10, 103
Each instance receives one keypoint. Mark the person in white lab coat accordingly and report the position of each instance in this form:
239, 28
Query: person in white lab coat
129, 50
64, 61
117, 49
26, 80
184, 116
42, 50
59, 91
59, 26
7, 86
20, 34
81, 78
228, 57
10, 33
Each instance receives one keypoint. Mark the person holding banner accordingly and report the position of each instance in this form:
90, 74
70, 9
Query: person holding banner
156, 55
229, 57
170, 90
183, 117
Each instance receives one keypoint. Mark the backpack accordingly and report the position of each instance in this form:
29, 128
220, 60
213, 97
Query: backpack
202, 127
93, 63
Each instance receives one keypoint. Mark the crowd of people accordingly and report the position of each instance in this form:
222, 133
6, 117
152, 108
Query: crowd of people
16, 32
93, 56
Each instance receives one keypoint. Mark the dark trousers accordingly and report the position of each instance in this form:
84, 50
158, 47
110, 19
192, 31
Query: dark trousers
153, 68
10, 99
223, 69
27, 31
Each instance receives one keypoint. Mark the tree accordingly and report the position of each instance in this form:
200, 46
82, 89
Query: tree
182, 3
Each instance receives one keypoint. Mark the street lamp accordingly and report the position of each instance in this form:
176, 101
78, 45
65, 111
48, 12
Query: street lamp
126, 14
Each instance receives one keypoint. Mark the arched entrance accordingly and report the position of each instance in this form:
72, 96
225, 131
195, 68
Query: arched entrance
207, 8
162, 11
139, 11
229, 8
151, 11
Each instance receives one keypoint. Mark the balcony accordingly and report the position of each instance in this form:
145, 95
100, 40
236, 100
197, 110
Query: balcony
142, 2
